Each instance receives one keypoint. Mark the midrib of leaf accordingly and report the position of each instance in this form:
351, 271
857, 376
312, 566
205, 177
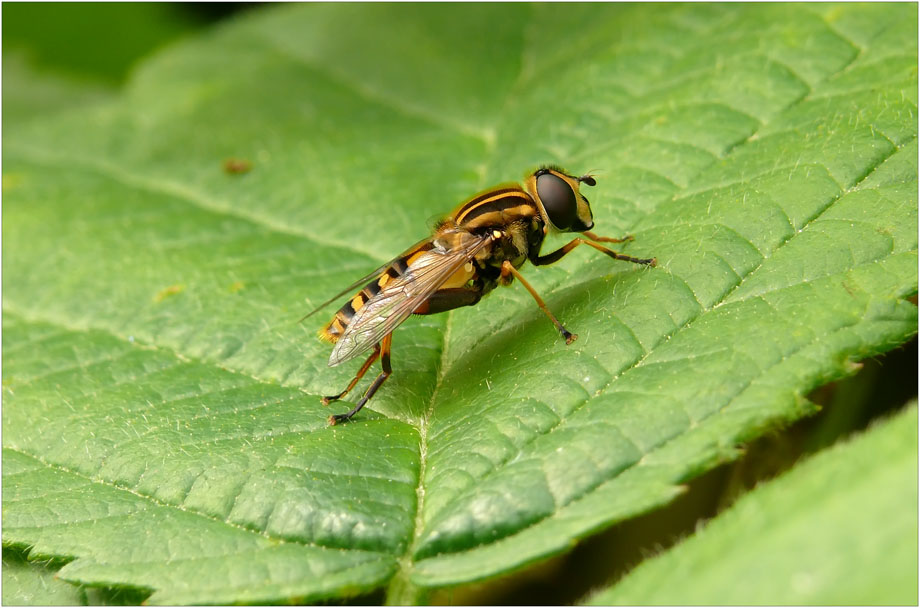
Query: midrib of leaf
401, 591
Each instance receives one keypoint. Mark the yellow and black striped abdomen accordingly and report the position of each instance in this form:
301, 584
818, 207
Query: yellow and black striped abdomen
343, 316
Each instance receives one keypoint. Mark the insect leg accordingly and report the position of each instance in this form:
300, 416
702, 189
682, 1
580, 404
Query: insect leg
508, 269
358, 376
607, 239
384, 352
549, 258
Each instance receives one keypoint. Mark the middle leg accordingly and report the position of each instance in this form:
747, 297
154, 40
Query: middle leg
509, 270
549, 258
607, 239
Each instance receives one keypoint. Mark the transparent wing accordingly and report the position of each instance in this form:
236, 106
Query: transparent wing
398, 298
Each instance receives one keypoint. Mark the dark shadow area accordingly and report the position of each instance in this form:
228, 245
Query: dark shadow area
210, 12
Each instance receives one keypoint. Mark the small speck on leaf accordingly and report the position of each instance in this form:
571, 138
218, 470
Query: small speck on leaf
167, 292
237, 166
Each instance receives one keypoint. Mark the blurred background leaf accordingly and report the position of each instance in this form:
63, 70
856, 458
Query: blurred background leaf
792, 541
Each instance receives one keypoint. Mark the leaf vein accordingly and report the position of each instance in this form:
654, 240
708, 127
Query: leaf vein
152, 501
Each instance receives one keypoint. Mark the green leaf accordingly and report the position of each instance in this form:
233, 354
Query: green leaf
791, 541
162, 425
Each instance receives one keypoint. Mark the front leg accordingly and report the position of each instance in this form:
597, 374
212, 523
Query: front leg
607, 239
549, 258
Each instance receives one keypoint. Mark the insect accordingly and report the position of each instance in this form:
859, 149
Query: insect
480, 245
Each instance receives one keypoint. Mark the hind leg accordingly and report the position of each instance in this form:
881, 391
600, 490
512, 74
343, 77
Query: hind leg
382, 349
358, 376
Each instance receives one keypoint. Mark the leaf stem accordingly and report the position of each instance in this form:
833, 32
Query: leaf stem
402, 592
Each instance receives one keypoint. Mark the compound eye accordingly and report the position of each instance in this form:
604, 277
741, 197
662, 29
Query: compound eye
558, 200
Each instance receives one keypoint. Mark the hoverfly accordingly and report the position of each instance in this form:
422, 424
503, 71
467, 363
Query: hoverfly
480, 245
